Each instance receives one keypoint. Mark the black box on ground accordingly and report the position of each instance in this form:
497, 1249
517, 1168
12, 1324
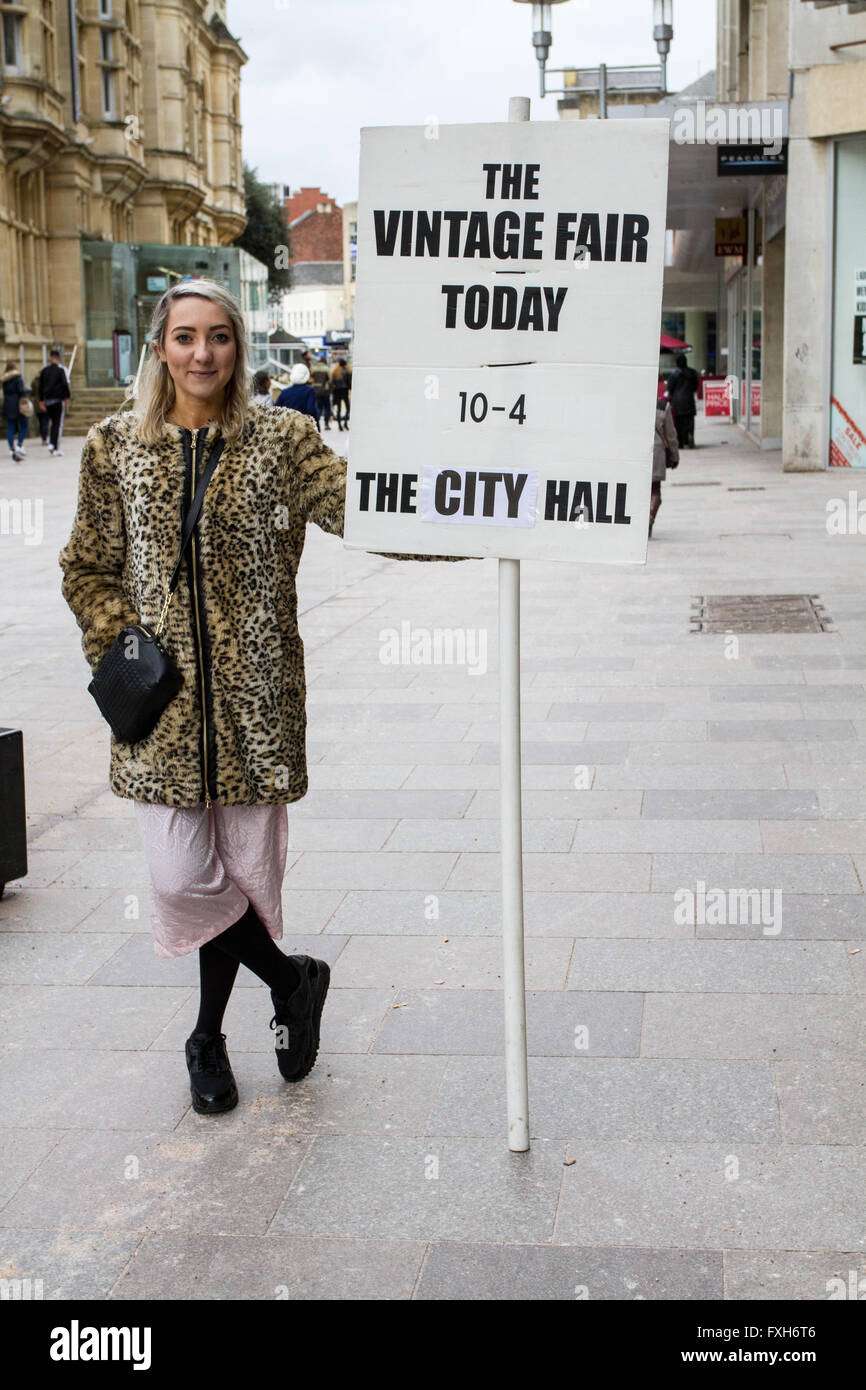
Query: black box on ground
13, 820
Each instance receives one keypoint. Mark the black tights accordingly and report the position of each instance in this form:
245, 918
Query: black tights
248, 943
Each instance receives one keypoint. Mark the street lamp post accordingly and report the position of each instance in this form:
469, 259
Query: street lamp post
541, 35
663, 32
542, 39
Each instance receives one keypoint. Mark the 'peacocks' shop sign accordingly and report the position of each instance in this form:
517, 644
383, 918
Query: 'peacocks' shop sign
507, 315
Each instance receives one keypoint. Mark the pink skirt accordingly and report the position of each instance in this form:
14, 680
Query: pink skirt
207, 865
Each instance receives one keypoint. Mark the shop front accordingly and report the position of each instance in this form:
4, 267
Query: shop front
848, 335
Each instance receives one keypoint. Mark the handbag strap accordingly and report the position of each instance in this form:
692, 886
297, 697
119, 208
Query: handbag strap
190, 523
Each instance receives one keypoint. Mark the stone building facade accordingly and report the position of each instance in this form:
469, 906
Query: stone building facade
119, 124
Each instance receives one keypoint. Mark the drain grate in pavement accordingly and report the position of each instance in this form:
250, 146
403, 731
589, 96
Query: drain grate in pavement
696, 485
760, 613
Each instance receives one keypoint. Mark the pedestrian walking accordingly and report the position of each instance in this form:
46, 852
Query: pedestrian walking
682, 388
322, 386
54, 394
300, 395
666, 454
211, 781
261, 391
16, 410
341, 385
41, 412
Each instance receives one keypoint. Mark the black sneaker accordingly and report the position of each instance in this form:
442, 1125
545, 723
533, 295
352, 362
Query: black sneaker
211, 1082
299, 1017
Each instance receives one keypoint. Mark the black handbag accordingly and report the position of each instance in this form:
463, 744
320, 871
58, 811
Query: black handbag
136, 679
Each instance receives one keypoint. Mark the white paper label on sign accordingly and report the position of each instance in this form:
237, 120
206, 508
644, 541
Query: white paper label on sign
482, 497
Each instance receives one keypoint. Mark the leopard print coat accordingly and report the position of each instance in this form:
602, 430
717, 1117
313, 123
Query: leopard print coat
235, 732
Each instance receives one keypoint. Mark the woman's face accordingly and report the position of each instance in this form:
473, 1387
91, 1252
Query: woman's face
199, 347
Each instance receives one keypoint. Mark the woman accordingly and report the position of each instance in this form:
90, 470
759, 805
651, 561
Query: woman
15, 389
682, 386
211, 782
261, 392
664, 444
300, 395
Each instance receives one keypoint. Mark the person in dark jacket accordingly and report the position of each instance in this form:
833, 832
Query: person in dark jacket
322, 387
300, 395
341, 385
54, 393
40, 412
682, 387
15, 389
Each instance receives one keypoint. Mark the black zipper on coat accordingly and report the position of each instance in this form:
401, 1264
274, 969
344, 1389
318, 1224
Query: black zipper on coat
207, 729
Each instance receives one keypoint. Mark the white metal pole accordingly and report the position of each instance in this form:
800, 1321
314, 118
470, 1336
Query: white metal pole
514, 975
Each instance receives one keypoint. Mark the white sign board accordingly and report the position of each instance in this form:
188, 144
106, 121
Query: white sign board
507, 316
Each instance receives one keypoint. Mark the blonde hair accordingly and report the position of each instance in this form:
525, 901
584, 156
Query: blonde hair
156, 393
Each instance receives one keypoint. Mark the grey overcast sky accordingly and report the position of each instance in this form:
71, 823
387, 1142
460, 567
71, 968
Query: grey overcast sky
318, 70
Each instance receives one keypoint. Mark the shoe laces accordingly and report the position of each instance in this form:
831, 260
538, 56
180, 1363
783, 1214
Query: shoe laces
209, 1054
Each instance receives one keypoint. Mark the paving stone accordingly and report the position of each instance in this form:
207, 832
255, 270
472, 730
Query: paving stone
461, 962
388, 805
484, 836
465, 1271
366, 751
769, 966
425, 1189
770, 693
793, 1275
819, 1027
21, 1152
345, 834
92, 834
343, 776
66, 1264
545, 914
628, 711
155, 1181
651, 836
589, 873
92, 1090
50, 958
568, 804
741, 804
373, 870
834, 916
577, 753
822, 1102
787, 1196
452, 1022
615, 1098
294, 1268
128, 1019
726, 730
839, 804
790, 873
814, 837
26, 909
653, 777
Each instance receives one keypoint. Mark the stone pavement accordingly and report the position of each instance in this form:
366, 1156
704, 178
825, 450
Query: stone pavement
696, 1082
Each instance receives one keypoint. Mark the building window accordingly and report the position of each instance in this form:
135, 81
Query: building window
12, 42
105, 8
106, 38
